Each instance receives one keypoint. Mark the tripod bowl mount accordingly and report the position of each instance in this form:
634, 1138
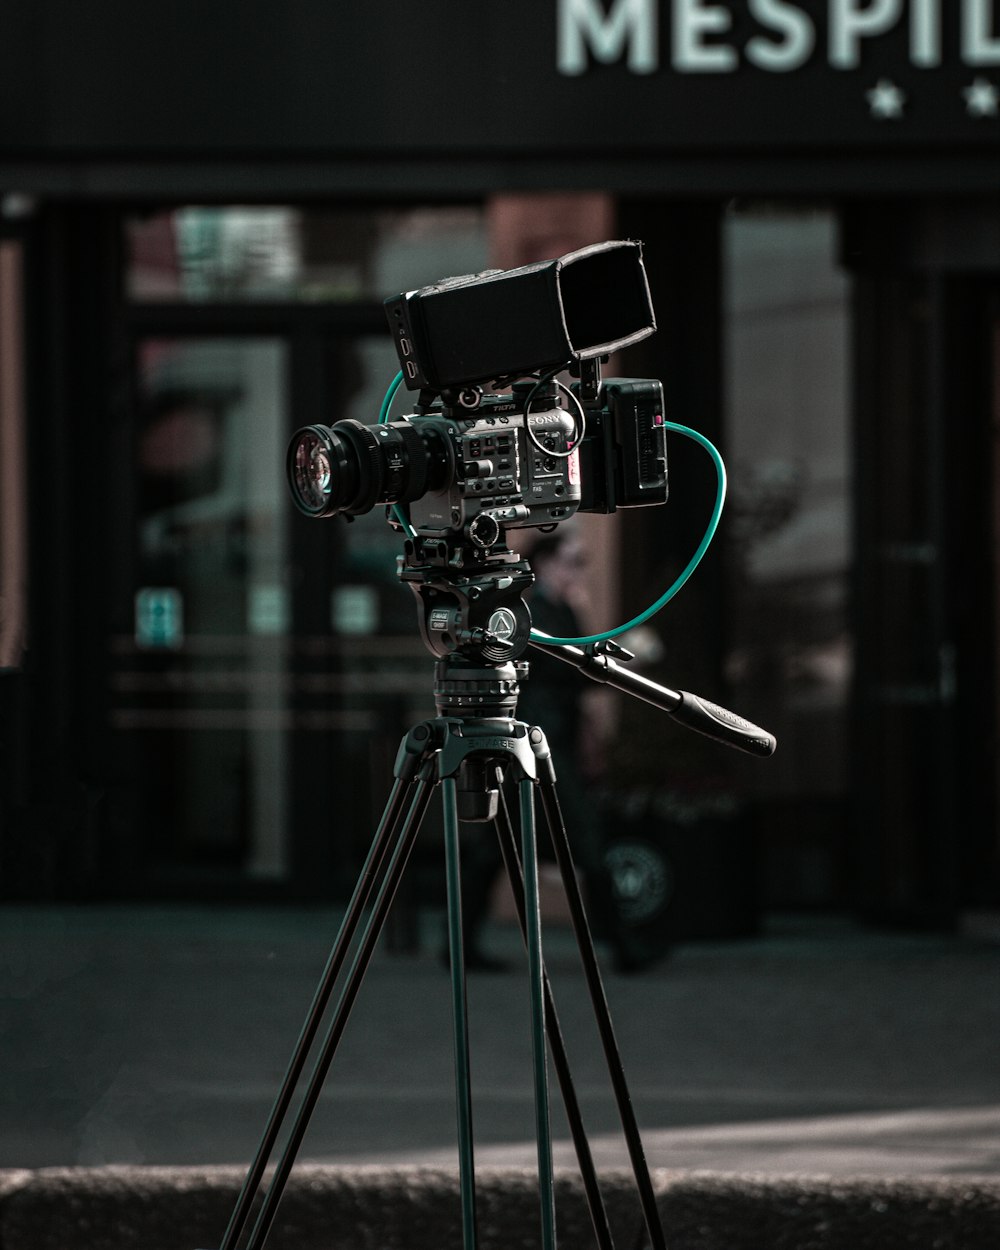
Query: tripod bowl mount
474, 620
457, 474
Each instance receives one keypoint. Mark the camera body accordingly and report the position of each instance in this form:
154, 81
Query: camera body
487, 463
530, 451
515, 468
512, 469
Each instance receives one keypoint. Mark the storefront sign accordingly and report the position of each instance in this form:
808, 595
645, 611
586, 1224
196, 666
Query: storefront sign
891, 53
527, 78
781, 36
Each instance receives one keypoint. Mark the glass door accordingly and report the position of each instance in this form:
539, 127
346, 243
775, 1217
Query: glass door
263, 665
199, 683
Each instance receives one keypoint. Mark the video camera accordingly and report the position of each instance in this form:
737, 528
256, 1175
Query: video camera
473, 463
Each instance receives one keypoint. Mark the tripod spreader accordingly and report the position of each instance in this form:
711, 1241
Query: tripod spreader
689, 709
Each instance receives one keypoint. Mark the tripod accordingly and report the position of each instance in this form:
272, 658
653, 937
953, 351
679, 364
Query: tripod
475, 621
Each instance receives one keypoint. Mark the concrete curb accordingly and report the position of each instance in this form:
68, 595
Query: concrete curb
327, 1208
707, 1211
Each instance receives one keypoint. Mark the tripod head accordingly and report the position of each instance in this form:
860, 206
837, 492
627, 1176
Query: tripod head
470, 597
474, 619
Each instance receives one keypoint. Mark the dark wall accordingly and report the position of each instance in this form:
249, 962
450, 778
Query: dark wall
650, 96
925, 731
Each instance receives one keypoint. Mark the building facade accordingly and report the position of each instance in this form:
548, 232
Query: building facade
202, 211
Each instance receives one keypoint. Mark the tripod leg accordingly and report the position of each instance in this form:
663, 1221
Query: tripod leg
387, 829
380, 907
533, 918
564, 858
460, 1015
515, 874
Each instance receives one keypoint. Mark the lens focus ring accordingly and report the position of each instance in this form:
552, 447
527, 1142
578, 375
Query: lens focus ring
417, 461
369, 468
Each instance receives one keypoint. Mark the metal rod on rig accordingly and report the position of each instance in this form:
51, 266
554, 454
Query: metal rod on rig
690, 710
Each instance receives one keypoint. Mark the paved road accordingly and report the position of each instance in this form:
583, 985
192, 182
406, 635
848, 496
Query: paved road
160, 1035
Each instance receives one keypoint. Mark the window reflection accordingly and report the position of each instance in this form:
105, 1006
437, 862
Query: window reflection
282, 254
212, 610
790, 519
787, 441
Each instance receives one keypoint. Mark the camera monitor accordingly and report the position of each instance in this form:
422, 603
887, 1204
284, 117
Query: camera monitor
504, 323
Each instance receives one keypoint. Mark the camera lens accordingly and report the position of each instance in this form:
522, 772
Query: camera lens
349, 467
335, 468
310, 471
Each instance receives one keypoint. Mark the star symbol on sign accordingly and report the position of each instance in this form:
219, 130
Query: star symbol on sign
886, 100
982, 98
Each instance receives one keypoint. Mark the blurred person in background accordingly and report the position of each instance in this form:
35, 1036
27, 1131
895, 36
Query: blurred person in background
553, 697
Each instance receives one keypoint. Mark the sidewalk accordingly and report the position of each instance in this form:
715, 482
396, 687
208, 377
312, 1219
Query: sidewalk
158, 1035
